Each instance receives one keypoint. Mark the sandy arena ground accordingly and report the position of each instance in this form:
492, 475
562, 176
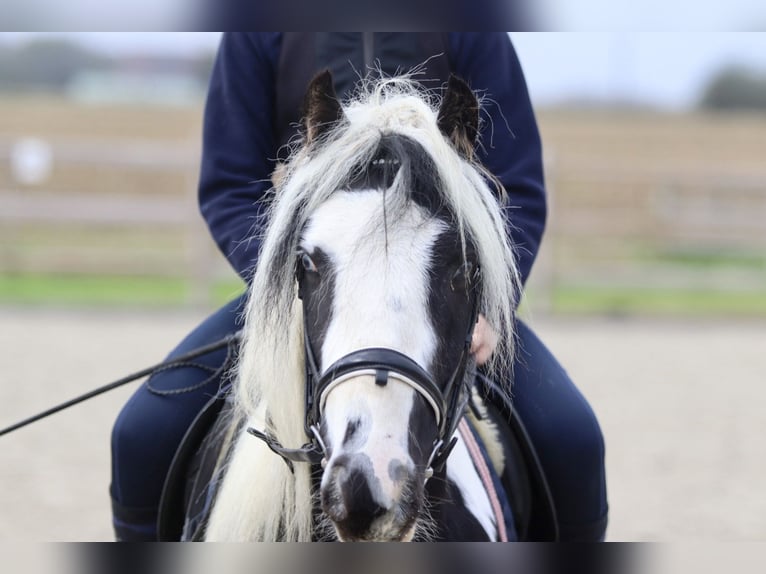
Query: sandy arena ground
681, 404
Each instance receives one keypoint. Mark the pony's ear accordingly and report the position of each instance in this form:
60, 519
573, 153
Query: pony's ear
459, 116
322, 110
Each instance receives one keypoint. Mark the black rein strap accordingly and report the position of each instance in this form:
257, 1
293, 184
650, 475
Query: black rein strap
229, 341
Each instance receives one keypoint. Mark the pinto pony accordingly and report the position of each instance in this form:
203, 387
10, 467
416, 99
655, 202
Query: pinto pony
385, 240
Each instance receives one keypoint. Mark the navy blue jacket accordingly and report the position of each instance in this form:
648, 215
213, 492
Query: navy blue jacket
239, 140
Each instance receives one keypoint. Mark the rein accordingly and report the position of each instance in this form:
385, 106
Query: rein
448, 405
230, 341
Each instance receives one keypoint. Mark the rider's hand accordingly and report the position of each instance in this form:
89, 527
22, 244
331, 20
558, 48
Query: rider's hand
484, 341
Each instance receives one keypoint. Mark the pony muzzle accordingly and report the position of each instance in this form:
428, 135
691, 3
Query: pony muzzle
361, 509
372, 487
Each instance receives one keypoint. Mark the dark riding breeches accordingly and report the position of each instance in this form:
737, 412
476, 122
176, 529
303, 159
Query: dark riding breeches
150, 427
153, 422
566, 436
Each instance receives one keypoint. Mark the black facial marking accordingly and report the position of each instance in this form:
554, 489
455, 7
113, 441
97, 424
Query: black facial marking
423, 432
317, 290
361, 505
378, 174
351, 429
348, 498
398, 154
453, 287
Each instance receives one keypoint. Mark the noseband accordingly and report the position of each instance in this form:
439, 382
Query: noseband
447, 403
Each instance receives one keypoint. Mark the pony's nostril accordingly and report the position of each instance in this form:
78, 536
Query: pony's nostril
398, 471
333, 507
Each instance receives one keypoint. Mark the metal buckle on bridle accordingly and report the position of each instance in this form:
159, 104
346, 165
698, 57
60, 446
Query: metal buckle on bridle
311, 452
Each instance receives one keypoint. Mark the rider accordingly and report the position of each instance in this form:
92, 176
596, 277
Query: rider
252, 108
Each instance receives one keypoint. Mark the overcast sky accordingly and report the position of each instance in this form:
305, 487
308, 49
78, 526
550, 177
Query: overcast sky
655, 15
664, 69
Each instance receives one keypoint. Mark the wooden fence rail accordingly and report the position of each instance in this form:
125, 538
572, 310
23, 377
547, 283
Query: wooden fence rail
603, 219
48, 227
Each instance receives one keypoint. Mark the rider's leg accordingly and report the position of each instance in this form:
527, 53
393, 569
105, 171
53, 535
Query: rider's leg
153, 422
567, 438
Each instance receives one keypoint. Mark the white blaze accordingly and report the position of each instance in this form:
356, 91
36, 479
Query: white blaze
381, 279
380, 300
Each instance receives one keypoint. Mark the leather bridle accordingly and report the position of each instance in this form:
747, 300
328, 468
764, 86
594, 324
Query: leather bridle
447, 402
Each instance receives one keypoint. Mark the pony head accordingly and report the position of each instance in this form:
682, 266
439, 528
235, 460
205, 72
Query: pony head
369, 272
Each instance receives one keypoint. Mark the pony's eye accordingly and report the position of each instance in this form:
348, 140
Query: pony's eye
463, 277
308, 263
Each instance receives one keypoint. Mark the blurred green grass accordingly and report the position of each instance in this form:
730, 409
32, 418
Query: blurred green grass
158, 292
705, 258
657, 301
109, 291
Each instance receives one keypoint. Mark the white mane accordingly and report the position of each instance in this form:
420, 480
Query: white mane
260, 499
